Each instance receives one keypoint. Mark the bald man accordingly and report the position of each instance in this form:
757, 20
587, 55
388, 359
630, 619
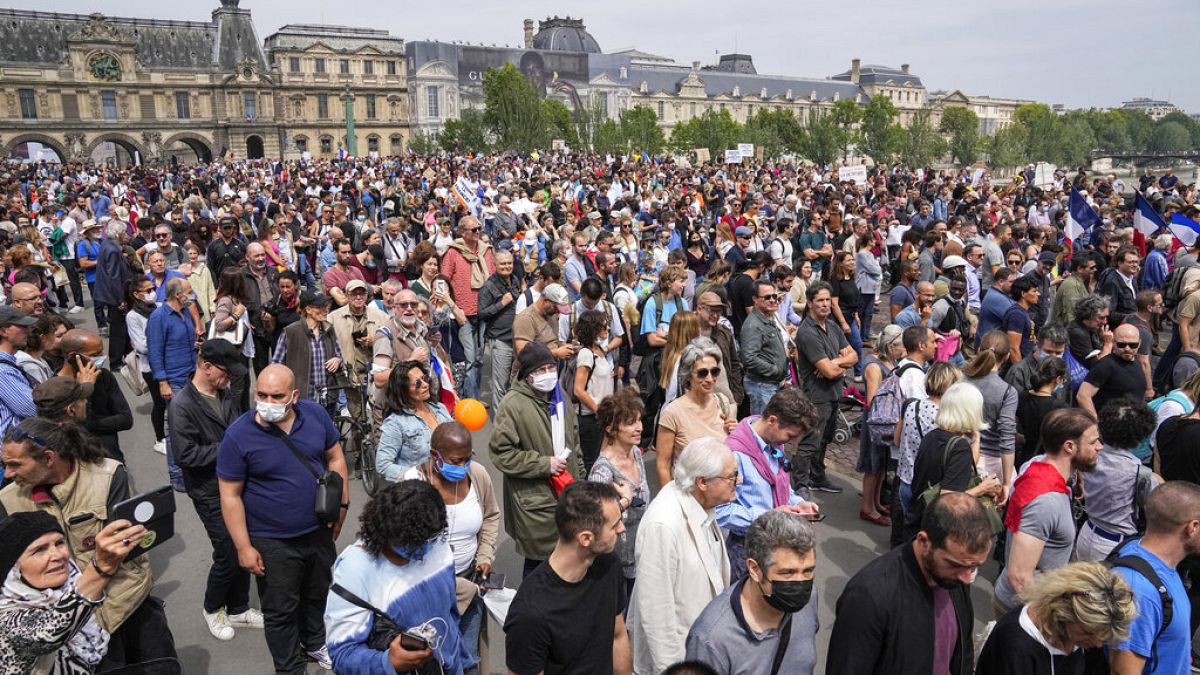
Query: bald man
267, 497
1118, 375
27, 299
108, 411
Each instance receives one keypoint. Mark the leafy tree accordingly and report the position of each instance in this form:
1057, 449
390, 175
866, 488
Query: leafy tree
777, 132
846, 113
608, 139
1007, 147
1111, 129
1074, 141
920, 143
513, 110
878, 136
683, 135
1192, 126
1042, 124
822, 138
424, 143
1141, 128
588, 121
561, 123
639, 126
1170, 135
715, 130
468, 133
962, 126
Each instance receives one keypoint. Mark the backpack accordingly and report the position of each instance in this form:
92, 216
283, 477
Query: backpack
1173, 287
887, 406
566, 379
1097, 658
1191, 356
641, 346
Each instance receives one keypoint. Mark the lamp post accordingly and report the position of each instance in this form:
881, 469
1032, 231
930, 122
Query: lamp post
351, 142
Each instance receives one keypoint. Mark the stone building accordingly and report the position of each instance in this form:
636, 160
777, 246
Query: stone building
994, 113
1154, 108
132, 90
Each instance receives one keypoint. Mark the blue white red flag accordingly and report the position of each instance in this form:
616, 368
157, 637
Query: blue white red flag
446, 380
1185, 229
1145, 218
1080, 216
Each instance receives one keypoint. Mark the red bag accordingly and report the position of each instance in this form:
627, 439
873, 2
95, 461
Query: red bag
561, 481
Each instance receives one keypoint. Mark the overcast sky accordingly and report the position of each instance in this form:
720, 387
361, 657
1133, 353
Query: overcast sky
1081, 53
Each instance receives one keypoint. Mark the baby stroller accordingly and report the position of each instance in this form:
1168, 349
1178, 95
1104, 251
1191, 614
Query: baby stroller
849, 415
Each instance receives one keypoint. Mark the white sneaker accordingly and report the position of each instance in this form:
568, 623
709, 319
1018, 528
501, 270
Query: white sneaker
218, 625
75, 310
251, 618
321, 657
161, 447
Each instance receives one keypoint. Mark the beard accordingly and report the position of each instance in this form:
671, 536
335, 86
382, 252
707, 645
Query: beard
949, 584
1085, 465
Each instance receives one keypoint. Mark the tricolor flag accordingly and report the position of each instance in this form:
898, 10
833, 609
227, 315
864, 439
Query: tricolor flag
342, 154
1080, 216
445, 381
1145, 218
1185, 229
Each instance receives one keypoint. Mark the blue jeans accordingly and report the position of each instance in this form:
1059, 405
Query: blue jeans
471, 334
855, 339
905, 495
759, 393
866, 311
175, 473
469, 626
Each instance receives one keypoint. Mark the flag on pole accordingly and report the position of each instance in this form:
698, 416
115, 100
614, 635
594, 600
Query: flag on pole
445, 380
342, 154
1185, 229
1080, 216
1145, 218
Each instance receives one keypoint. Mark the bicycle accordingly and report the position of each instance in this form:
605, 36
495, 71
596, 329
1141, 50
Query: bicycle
357, 436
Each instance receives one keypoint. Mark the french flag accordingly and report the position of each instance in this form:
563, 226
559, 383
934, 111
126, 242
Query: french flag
342, 154
445, 382
1185, 229
1080, 216
1146, 223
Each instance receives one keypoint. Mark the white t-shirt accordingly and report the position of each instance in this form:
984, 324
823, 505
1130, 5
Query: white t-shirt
600, 384
463, 522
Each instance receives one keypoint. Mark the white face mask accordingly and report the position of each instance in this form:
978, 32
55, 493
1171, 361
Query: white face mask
150, 297
271, 412
544, 382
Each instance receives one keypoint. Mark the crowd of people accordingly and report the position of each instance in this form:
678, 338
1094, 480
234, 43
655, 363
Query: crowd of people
1004, 384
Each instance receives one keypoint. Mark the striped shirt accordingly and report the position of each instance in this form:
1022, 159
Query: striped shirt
16, 394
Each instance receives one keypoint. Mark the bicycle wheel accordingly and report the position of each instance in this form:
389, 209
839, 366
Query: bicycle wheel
366, 462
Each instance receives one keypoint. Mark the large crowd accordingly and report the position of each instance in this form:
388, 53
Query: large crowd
1019, 388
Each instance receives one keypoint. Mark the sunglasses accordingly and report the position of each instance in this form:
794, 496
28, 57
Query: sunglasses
470, 229
407, 305
17, 434
774, 297
703, 373
778, 455
1128, 345
419, 382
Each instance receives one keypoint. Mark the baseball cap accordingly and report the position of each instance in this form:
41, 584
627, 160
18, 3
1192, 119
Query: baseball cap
743, 231
1048, 257
594, 215
57, 393
11, 316
223, 354
953, 261
356, 284
311, 299
558, 295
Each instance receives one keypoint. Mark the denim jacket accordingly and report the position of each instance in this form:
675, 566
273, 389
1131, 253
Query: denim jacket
404, 441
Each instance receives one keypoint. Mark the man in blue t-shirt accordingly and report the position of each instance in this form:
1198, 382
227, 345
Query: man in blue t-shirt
1172, 534
267, 498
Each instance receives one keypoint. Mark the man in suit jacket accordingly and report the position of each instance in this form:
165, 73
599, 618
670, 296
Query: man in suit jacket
112, 270
682, 563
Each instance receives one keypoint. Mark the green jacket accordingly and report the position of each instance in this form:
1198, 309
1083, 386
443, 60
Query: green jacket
521, 449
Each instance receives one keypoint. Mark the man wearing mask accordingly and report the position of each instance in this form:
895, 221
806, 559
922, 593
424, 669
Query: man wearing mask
260, 283
468, 263
776, 597
909, 611
535, 442
108, 413
198, 418
497, 307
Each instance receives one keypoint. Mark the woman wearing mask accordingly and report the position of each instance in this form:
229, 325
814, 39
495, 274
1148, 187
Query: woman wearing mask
47, 604
998, 442
595, 379
473, 519
411, 416
1034, 404
140, 304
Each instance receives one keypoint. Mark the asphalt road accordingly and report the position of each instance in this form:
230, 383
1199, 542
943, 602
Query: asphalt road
180, 566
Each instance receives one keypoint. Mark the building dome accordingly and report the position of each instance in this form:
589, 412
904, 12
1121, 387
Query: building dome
565, 35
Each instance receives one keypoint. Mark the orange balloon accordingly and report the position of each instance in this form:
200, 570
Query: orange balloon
471, 414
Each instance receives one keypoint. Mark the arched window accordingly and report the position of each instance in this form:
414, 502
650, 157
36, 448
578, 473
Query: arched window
326, 145
372, 143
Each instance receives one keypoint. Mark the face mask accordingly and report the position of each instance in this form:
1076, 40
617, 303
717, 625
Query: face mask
370, 264
150, 297
271, 412
604, 342
544, 382
789, 596
99, 361
454, 472
415, 554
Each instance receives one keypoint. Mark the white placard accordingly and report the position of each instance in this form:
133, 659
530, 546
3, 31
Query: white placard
747, 150
733, 156
1043, 175
858, 174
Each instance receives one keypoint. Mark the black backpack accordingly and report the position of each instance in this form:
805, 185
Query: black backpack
1097, 658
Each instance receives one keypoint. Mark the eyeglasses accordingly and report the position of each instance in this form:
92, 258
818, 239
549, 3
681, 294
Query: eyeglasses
702, 373
417, 382
774, 297
406, 305
1127, 345
162, 235
732, 478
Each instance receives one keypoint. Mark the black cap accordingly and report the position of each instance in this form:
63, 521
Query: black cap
533, 356
11, 316
20, 530
223, 354
313, 298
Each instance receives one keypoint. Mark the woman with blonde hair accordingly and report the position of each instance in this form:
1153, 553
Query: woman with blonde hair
948, 454
998, 443
1067, 610
685, 327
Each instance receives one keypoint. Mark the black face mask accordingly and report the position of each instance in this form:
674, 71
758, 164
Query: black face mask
789, 596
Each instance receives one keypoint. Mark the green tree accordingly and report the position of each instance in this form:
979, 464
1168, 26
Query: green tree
1141, 128
513, 111
962, 126
1007, 147
561, 123
715, 130
683, 136
468, 133
1111, 130
777, 132
1192, 126
1042, 124
1074, 140
640, 127
822, 138
878, 136
920, 143
846, 113
424, 143
608, 139
1170, 136
588, 121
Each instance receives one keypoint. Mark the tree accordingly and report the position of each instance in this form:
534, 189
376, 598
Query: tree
1007, 147
962, 126
777, 132
1111, 129
588, 121
715, 130
1141, 128
1192, 126
608, 139
920, 143
513, 110
639, 126
846, 114
423, 143
561, 123
822, 138
1074, 140
468, 133
1042, 125
1170, 136
878, 136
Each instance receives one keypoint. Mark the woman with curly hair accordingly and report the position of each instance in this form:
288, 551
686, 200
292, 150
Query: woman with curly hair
402, 567
411, 415
595, 379
620, 464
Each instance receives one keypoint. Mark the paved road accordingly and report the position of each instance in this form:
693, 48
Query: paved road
180, 565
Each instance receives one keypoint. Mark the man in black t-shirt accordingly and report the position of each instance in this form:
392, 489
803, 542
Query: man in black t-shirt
1117, 375
744, 287
567, 614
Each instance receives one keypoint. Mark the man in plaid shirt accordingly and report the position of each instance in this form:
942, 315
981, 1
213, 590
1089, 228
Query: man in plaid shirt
310, 348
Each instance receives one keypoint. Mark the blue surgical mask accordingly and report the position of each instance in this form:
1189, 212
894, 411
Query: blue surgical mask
99, 361
370, 264
454, 472
414, 555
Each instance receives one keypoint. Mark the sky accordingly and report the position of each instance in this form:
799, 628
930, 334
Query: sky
1081, 53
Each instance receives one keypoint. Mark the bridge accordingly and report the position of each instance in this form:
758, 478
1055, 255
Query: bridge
1143, 158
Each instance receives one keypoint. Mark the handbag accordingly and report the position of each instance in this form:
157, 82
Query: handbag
989, 505
235, 336
329, 484
131, 372
383, 629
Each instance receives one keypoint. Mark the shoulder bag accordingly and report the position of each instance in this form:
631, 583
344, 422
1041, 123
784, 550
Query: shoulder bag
329, 484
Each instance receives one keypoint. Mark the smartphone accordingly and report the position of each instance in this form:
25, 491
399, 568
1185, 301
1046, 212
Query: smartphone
155, 510
439, 286
817, 518
413, 642
494, 582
